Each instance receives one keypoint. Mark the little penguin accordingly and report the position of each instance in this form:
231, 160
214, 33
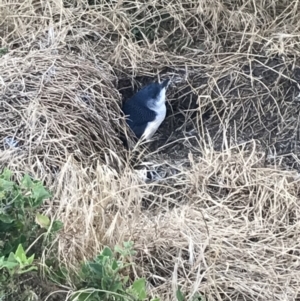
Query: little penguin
146, 110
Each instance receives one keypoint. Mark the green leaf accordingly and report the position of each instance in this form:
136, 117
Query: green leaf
96, 268
179, 295
39, 194
155, 299
127, 250
6, 185
56, 226
5, 218
26, 182
6, 174
9, 265
2, 197
128, 244
11, 257
114, 265
116, 287
104, 284
139, 286
100, 258
107, 252
42, 220
30, 259
20, 255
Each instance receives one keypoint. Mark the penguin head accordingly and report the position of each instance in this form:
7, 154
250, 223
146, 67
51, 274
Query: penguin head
155, 89
152, 94
165, 83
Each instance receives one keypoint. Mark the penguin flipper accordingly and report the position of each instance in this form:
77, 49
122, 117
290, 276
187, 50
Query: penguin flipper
138, 118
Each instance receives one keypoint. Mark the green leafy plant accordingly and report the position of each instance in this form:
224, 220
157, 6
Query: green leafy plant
106, 277
18, 208
18, 262
21, 226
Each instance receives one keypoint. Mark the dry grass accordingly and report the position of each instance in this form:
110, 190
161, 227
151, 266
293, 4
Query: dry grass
224, 221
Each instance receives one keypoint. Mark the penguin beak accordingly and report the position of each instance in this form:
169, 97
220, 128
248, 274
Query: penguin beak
165, 83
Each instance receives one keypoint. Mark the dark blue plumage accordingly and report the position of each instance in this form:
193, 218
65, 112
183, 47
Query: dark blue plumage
146, 108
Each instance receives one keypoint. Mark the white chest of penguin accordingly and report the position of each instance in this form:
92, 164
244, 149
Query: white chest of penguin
159, 107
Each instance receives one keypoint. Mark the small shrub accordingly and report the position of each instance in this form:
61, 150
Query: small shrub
18, 209
18, 262
20, 226
105, 277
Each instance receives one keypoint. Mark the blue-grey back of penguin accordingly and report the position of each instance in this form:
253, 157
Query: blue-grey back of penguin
138, 118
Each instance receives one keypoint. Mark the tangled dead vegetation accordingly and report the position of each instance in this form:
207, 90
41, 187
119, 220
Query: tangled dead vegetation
223, 220
228, 228
51, 110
